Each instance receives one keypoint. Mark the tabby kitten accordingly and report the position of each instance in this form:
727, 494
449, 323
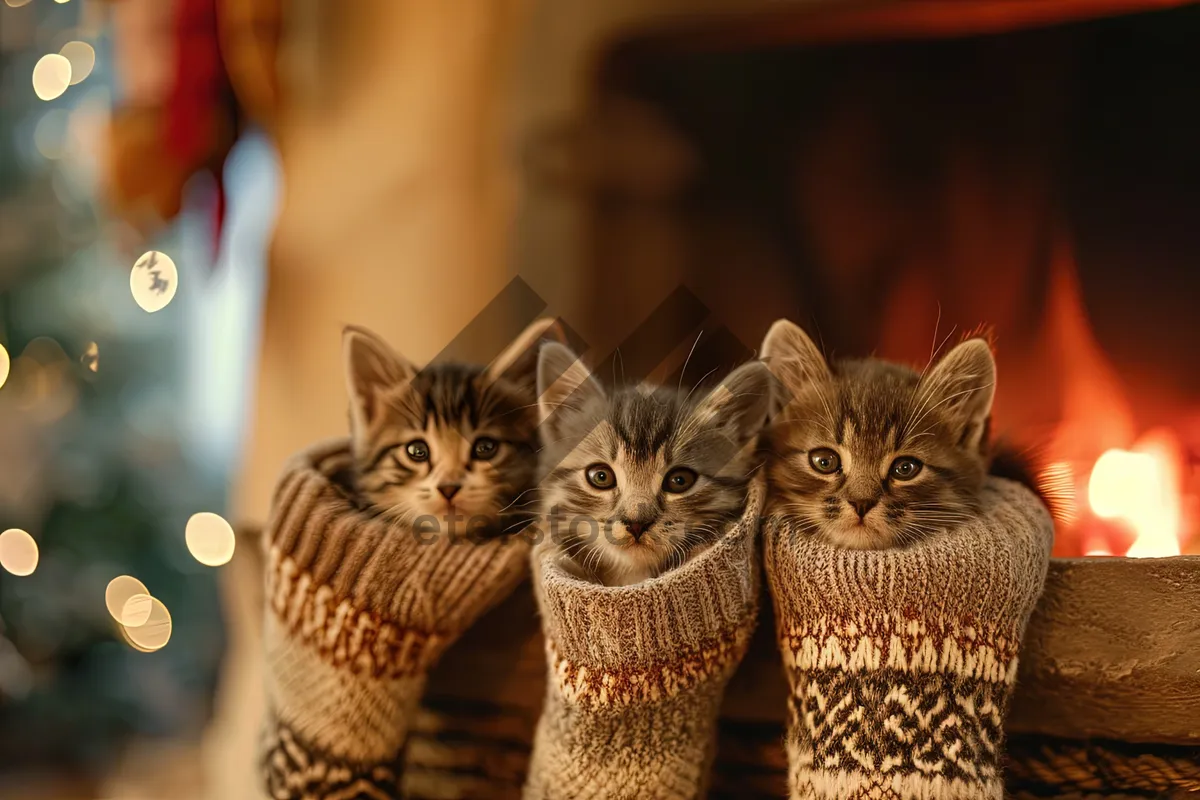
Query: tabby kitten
450, 448
872, 455
636, 481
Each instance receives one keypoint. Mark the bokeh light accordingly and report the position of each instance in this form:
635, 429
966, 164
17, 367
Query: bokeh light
50, 135
51, 76
154, 633
136, 611
91, 357
5, 365
18, 552
17, 3
82, 57
153, 281
120, 591
210, 539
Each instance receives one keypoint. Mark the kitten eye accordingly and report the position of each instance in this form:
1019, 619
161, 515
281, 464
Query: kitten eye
679, 480
417, 450
485, 449
601, 476
905, 468
824, 461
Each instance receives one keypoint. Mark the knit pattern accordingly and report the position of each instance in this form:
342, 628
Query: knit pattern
636, 673
901, 662
358, 609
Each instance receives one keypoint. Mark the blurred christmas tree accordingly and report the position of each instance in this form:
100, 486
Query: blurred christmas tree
92, 460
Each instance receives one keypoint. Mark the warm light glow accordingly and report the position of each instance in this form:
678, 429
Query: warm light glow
136, 611
51, 76
120, 591
82, 57
17, 3
153, 281
5, 365
210, 539
18, 552
154, 633
91, 356
1140, 487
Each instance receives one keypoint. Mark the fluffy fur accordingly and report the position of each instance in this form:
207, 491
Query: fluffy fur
637, 481
450, 447
869, 454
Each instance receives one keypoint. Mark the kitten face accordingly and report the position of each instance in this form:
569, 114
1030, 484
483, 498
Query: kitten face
451, 446
869, 454
637, 482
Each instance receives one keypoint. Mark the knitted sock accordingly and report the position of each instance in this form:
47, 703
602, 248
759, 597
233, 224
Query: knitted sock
901, 662
358, 609
636, 673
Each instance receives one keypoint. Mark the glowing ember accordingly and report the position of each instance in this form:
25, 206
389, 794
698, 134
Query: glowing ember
1141, 488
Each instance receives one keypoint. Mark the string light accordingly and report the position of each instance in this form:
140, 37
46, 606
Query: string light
136, 611
154, 633
18, 552
91, 357
82, 57
153, 281
119, 592
210, 539
5, 365
51, 76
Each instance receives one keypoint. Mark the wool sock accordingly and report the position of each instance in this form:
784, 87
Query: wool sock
358, 609
636, 673
901, 661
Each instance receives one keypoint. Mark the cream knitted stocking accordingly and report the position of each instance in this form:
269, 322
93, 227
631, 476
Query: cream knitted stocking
358, 609
636, 673
901, 662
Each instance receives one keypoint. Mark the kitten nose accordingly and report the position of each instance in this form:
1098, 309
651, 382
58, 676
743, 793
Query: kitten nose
637, 527
863, 506
448, 490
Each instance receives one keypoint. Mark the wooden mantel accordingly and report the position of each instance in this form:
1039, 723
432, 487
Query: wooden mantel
1113, 651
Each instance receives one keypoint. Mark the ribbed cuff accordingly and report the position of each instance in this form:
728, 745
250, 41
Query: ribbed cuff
656, 637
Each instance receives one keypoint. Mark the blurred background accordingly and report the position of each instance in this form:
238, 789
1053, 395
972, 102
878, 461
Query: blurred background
196, 195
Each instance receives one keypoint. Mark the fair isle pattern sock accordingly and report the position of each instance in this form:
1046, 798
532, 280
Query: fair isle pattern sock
636, 673
901, 662
358, 609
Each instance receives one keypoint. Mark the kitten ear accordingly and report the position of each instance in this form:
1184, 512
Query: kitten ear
371, 366
519, 361
962, 386
792, 357
562, 379
739, 405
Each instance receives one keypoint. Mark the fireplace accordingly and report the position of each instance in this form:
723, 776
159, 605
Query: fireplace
893, 193
892, 176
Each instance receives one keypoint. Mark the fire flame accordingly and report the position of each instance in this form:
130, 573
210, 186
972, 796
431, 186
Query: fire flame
1140, 487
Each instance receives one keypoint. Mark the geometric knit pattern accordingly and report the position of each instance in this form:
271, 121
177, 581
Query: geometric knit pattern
901, 662
637, 673
359, 608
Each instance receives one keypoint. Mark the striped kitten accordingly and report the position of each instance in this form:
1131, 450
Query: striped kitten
451, 448
637, 482
873, 455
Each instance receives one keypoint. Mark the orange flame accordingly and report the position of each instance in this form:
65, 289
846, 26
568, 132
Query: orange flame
1140, 487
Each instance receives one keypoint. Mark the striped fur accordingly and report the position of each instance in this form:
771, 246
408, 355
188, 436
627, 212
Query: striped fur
874, 416
450, 447
642, 526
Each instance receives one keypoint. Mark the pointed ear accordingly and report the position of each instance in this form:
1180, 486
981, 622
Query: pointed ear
961, 386
739, 405
518, 363
792, 357
371, 366
562, 381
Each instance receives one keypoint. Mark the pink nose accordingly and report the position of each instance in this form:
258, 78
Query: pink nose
448, 490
